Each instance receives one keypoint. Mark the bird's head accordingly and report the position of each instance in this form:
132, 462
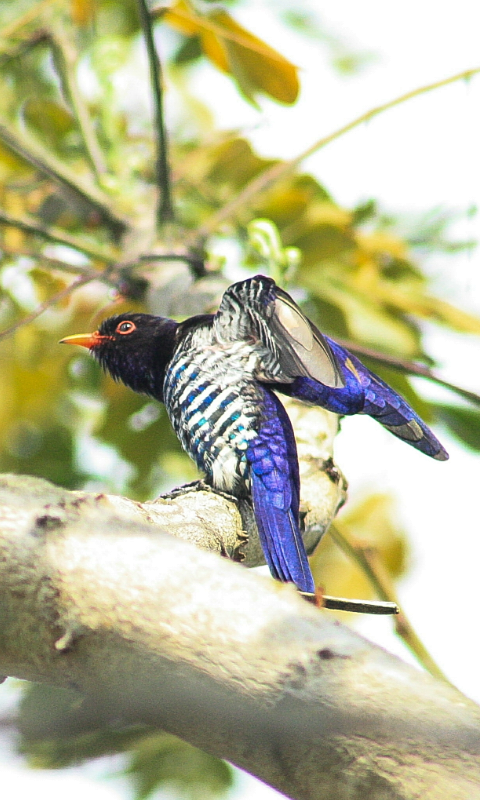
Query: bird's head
133, 348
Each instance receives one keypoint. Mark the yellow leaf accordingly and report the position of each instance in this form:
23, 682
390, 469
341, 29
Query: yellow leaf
382, 243
82, 11
183, 19
214, 49
370, 524
410, 301
10, 164
455, 317
327, 213
256, 66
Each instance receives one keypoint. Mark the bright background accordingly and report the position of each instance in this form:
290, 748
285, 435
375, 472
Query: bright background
420, 156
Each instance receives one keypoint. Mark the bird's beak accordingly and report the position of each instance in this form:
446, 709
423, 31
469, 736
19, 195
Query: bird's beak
84, 339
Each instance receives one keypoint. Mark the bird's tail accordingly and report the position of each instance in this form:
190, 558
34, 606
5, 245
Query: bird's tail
280, 537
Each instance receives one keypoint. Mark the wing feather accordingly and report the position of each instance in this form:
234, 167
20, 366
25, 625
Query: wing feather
289, 344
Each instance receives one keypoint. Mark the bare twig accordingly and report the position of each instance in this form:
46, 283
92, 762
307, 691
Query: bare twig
44, 261
11, 52
66, 58
81, 281
368, 561
165, 211
8, 31
48, 165
283, 168
30, 225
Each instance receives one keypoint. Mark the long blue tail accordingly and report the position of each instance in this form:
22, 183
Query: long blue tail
275, 488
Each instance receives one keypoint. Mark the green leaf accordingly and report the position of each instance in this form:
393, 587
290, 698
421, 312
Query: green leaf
50, 120
368, 322
463, 422
163, 759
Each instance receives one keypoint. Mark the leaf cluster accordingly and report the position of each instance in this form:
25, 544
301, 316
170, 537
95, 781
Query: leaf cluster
78, 193
83, 234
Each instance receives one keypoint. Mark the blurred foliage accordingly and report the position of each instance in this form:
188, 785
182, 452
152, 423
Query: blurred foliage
59, 729
464, 422
77, 200
372, 525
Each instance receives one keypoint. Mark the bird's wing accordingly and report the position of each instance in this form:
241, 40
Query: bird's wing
394, 413
275, 487
258, 310
366, 393
311, 367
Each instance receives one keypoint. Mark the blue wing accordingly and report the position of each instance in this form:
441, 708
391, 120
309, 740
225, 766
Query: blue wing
275, 488
366, 393
300, 361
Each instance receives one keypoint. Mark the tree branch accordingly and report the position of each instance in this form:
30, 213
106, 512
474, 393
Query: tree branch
153, 630
56, 298
57, 236
165, 211
66, 60
32, 152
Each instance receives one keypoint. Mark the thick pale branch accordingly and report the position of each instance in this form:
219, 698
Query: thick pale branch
158, 631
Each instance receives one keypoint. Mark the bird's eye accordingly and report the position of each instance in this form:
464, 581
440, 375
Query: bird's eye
126, 327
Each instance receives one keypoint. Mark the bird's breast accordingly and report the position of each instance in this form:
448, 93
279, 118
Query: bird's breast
215, 406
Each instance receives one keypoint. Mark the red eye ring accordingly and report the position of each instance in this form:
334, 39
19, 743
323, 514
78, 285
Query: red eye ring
127, 326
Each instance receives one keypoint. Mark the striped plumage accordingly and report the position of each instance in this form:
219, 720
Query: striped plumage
214, 405
215, 374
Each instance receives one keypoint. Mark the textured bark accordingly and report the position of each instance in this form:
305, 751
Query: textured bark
96, 593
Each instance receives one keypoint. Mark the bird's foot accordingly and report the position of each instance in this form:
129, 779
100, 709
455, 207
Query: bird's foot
186, 488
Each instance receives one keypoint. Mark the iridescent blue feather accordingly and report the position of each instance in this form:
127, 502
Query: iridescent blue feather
275, 488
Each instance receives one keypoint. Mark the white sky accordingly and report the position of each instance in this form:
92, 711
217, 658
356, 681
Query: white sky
422, 155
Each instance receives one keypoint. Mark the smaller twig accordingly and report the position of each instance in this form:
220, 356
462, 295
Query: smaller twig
368, 561
57, 236
48, 261
407, 367
84, 279
8, 31
13, 52
195, 260
66, 59
282, 169
359, 606
48, 165
165, 212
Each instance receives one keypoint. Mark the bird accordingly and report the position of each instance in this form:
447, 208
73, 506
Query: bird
218, 376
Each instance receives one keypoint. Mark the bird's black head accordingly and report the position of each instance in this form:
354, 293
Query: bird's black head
133, 348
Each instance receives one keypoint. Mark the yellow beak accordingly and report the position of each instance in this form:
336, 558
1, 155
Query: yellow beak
84, 339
